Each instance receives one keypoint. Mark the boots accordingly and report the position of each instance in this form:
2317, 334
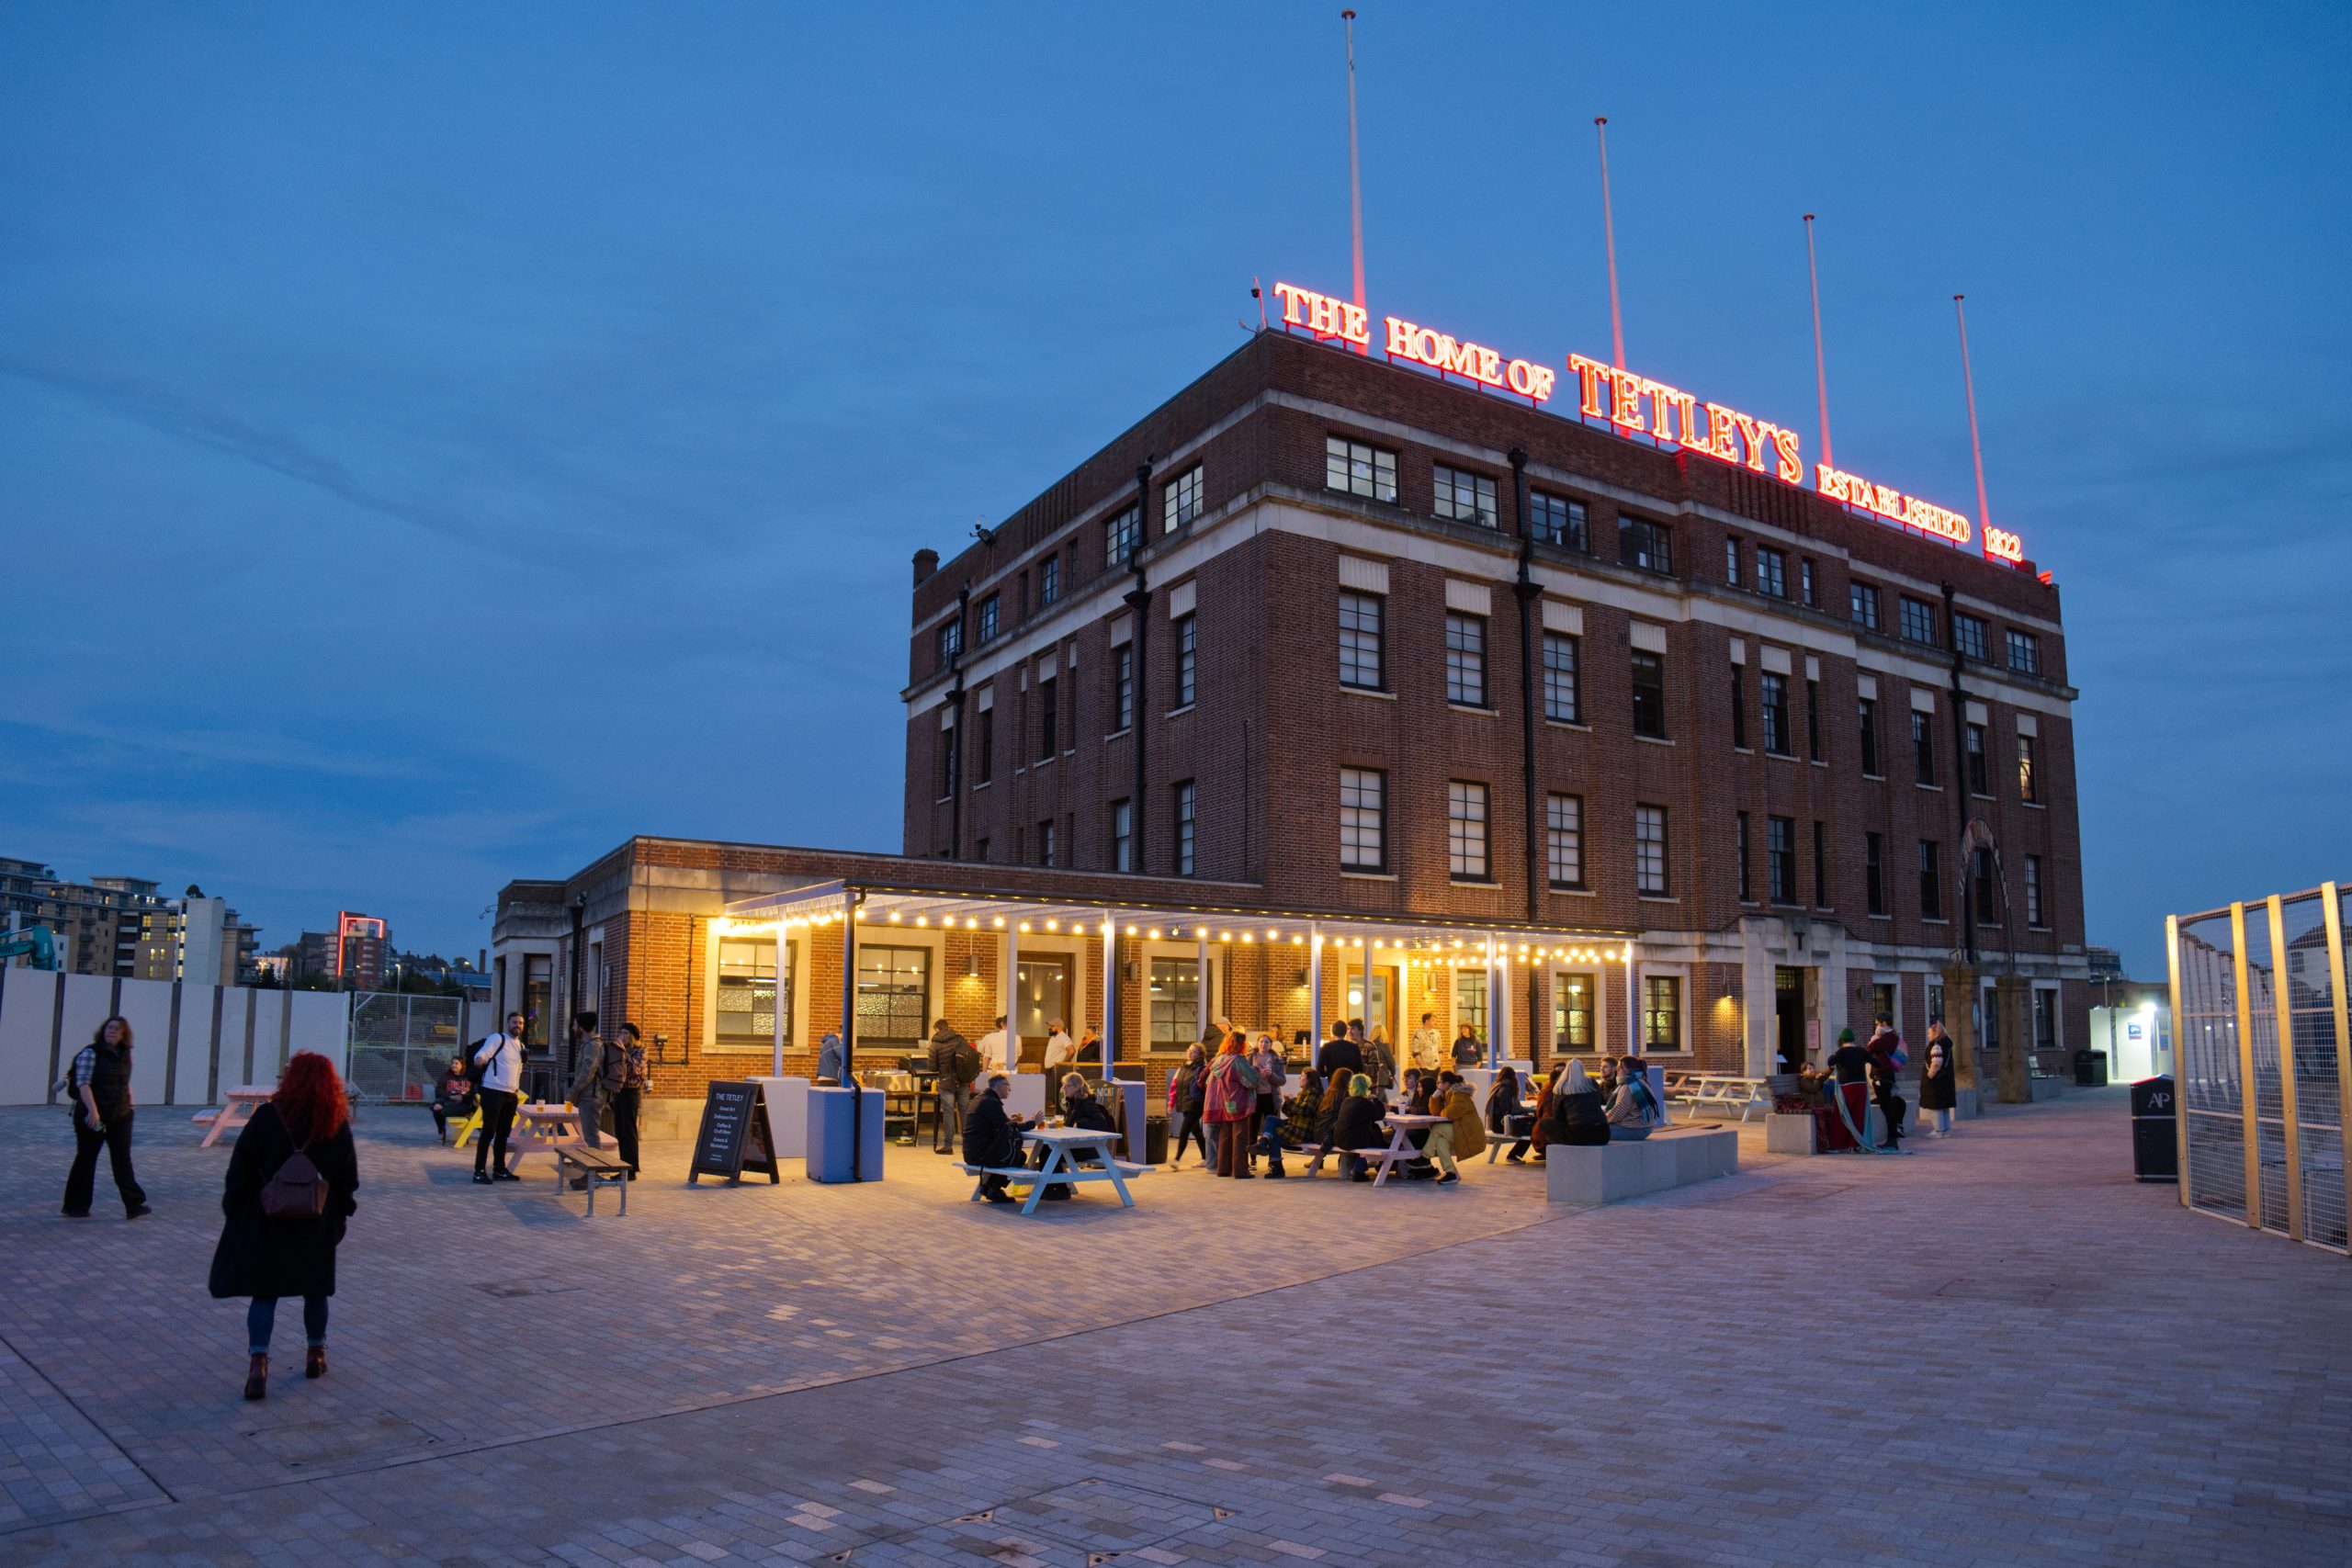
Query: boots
257, 1378
314, 1361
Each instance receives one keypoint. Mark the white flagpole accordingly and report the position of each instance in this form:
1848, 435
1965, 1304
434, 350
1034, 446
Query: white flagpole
1975, 447
1355, 179
1820, 368
1609, 235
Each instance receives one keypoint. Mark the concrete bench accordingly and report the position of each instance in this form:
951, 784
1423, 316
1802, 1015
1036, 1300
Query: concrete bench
1612, 1172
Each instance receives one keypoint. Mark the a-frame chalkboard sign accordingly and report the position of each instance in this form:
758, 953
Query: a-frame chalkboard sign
735, 1136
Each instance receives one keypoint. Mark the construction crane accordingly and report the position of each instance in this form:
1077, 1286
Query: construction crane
35, 943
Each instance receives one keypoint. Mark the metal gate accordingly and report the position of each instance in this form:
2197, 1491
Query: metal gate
2258, 1004
400, 1041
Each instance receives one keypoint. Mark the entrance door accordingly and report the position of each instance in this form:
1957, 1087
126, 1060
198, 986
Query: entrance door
1788, 1016
1373, 996
1043, 995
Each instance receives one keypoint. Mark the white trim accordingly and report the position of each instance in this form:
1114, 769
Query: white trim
1979, 713
1123, 629
1812, 668
794, 952
1866, 686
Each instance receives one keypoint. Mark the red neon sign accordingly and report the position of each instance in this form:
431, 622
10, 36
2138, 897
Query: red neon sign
1675, 415
1472, 361
1893, 505
2002, 544
1324, 316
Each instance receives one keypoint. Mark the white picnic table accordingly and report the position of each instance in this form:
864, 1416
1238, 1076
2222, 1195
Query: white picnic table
237, 1108
1401, 1128
1722, 1090
1062, 1144
544, 1129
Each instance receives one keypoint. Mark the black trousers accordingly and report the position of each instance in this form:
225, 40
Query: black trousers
497, 1121
623, 1104
84, 1176
1892, 1106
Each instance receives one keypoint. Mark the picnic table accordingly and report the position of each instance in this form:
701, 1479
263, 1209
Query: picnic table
544, 1129
237, 1108
1061, 1144
1401, 1128
1722, 1090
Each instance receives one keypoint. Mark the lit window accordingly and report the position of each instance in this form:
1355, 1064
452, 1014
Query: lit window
1560, 700
1363, 661
1466, 659
1575, 997
1465, 497
1649, 850
1358, 469
1563, 839
1556, 520
1465, 830
752, 994
1175, 1004
2028, 775
1362, 819
1662, 1012
1182, 503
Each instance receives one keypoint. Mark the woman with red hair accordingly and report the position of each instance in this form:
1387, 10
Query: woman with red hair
289, 1188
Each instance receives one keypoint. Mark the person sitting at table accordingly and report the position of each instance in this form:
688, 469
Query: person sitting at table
1326, 1121
1574, 1115
1301, 1109
1417, 1094
1635, 1112
1507, 1116
1079, 1108
1459, 1134
453, 1096
992, 1138
1357, 1127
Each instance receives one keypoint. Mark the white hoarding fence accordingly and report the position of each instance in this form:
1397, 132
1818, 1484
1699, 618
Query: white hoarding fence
188, 1041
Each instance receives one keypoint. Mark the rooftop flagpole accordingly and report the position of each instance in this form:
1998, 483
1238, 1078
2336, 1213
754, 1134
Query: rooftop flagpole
1609, 235
1820, 368
1975, 447
1355, 177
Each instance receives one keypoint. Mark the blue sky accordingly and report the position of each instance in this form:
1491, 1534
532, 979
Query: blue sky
439, 441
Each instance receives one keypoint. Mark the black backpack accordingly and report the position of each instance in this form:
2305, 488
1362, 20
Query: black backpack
480, 1065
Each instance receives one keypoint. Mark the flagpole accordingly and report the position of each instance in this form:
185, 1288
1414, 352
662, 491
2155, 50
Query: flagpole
1975, 447
1820, 368
1355, 179
1609, 235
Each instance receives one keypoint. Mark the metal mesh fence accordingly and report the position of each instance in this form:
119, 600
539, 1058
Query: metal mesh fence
2206, 1030
2319, 1098
400, 1043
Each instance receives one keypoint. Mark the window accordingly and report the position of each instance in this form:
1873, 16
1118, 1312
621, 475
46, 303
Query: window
1747, 886
1466, 659
2045, 1019
1364, 813
1187, 661
1919, 622
988, 617
1560, 700
948, 761
1781, 858
2035, 914
1805, 585
1123, 835
1556, 520
1649, 694
1466, 830
1184, 827
1649, 545
749, 994
1776, 714
1923, 747
1175, 1003
1045, 842
1968, 636
1870, 737
1874, 872
1738, 709
986, 759
1820, 865
1980, 773
950, 642
1470, 999
1359, 469
1023, 604
1931, 881
1121, 534
1048, 721
1661, 1012
1123, 687
893, 995
983, 854
1979, 876
1863, 600
2025, 653
1772, 572
1563, 839
1181, 502
1812, 720
1049, 580
1363, 652
1731, 562
1576, 998
2028, 775
1465, 497
1649, 850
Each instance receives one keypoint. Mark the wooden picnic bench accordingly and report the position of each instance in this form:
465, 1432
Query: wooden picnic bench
1062, 1144
1725, 1091
602, 1167
237, 1108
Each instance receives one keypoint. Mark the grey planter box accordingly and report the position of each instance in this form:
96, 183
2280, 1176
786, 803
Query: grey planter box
1789, 1132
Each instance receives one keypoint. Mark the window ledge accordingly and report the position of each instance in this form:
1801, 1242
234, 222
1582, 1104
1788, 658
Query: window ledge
1566, 891
1978, 795
1577, 725
1471, 881
1819, 763
1660, 899
1744, 750
2034, 805
1045, 762
1119, 734
1472, 707
981, 786
1653, 740
941, 799
1781, 756
1874, 778
1881, 917
1933, 921
1381, 692
1938, 788
1172, 713
1368, 875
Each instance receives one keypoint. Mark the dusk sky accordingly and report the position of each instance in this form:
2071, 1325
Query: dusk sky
439, 441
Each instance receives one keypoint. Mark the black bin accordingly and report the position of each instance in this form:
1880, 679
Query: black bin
1154, 1140
2155, 1131
2090, 1068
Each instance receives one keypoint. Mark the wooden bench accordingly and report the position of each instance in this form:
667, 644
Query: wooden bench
206, 1118
1037, 1180
601, 1168
1723, 1091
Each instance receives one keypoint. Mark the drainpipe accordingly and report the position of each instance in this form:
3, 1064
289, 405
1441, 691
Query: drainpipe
955, 740
1138, 601
1528, 592
1962, 870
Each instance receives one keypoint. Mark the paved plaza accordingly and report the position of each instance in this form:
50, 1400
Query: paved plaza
2000, 1349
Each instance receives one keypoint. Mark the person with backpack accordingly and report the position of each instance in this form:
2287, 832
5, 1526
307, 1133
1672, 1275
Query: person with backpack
954, 1067
605, 1071
498, 1061
587, 1094
1888, 1059
98, 1084
1232, 1103
1187, 1099
287, 1198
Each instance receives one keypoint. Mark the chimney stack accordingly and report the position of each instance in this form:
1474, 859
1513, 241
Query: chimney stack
926, 562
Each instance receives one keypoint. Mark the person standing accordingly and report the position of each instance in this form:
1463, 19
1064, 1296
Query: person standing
498, 1063
587, 1093
1466, 1049
1939, 1080
629, 1098
1090, 1047
99, 1084
996, 1052
1341, 1057
452, 1096
1187, 1092
1265, 1126
1232, 1105
1380, 1059
1887, 1059
954, 1067
286, 1199
1061, 1051
991, 1138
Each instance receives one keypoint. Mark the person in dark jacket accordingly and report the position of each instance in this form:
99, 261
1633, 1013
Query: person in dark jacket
1326, 1121
1343, 1059
1079, 1108
1852, 1065
453, 1096
954, 1064
1187, 1099
1357, 1127
1507, 1116
1467, 1052
1302, 1109
1938, 1080
991, 1137
266, 1256
1577, 1117
1886, 1055
99, 1086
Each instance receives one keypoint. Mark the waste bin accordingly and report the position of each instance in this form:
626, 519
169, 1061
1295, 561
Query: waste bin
2090, 1068
2155, 1131
839, 1119
1154, 1140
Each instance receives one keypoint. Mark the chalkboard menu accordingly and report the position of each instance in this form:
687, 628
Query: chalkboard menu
734, 1135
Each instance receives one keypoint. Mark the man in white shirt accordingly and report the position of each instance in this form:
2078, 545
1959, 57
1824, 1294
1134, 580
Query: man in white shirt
1061, 1051
992, 1050
498, 1068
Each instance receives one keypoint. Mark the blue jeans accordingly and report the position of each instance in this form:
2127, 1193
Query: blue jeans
262, 1317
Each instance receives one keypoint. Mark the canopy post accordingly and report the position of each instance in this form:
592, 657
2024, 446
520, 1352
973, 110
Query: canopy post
1314, 993
1008, 994
1110, 992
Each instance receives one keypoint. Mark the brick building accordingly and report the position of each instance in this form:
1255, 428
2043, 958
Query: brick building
1583, 736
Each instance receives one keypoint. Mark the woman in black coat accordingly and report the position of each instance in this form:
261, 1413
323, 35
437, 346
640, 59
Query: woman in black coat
1357, 1127
1578, 1118
266, 1256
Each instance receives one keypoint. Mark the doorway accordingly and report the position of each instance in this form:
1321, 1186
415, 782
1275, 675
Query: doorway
1788, 1016
1042, 995
1374, 995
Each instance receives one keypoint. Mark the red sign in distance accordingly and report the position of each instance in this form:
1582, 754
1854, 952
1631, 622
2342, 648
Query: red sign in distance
1424, 345
1726, 434
1324, 316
